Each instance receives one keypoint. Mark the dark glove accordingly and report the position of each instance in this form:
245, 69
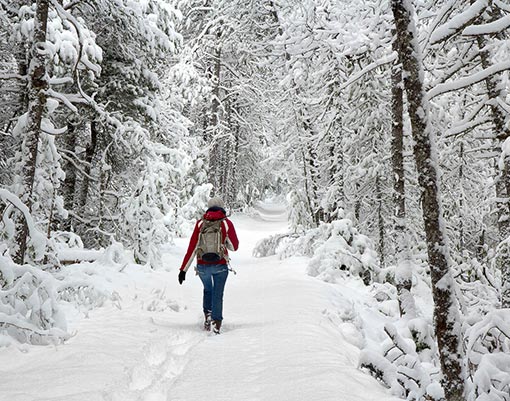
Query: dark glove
182, 276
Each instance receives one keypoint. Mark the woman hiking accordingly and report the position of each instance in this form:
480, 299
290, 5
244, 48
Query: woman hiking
212, 237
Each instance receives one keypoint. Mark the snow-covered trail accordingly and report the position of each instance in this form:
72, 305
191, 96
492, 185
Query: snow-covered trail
281, 339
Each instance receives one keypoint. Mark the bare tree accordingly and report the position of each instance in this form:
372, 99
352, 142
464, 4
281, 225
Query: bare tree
38, 85
403, 275
445, 303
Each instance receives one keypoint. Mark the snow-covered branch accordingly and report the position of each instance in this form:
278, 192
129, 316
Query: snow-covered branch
13, 76
37, 238
63, 98
459, 22
490, 28
372, 66
54, 131
465, 82
461, 128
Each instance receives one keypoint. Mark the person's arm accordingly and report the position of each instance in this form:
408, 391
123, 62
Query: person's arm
192, 249
232, 236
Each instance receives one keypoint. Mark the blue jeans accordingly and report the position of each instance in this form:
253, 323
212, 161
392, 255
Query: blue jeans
213, 278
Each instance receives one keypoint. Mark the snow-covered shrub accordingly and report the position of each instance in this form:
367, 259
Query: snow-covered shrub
299, 214
344, 250
305, 244
405, 361
401, 351
66, 239
336, 250
272, 245
116, 255
85, 286
488, 356
487, 336
33, 302
29, 309
378, 366
478, 298
159, 302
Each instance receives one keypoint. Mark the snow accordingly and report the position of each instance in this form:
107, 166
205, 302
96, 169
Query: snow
492, 27
457, 22
468, 80
37, 238
287, 336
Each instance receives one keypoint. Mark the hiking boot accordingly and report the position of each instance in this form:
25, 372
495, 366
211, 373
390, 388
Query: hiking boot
216, 326
207, 321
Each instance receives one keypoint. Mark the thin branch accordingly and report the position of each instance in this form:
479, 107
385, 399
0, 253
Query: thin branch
31, 330
60, 131
70, 5
63, 98
64, 156
372, 66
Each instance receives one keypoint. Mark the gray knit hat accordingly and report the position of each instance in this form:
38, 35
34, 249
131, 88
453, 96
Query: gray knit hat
216, 201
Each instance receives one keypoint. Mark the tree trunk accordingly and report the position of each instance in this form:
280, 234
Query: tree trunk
23, 71
69, 187
335, 181
90, 150
461, 198
397, 149
233, 153
309, 202
380, 219
446, 313
104, 183
213, 128
403, 273
37, 88
336, 178
311, 160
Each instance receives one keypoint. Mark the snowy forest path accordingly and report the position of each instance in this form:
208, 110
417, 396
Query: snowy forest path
279, 341
285, 336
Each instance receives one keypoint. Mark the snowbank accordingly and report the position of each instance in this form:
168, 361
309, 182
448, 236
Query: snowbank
34, 303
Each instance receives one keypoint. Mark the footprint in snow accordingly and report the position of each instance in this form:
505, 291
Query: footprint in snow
157, 353
164, 361
141, 377
156, 395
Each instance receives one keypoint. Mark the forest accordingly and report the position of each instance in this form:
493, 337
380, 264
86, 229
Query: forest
385, 120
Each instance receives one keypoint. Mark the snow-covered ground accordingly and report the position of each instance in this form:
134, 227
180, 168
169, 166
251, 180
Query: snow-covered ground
284, 337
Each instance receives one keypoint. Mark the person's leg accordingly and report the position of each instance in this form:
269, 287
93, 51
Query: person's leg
220, 273
204, 272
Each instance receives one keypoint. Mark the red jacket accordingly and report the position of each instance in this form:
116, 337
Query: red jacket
230, 233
